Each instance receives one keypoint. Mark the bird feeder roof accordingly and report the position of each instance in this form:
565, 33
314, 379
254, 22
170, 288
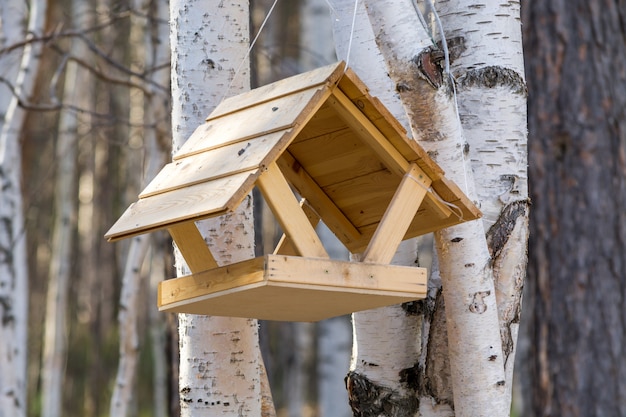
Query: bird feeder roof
335, 144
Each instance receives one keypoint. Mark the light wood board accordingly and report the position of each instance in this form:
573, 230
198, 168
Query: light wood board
191, 203
216, 163
328, 75
277, 287
267, 117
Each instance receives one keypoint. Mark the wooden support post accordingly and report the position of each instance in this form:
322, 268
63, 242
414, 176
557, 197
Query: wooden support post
192, 246
398, 216
289, 214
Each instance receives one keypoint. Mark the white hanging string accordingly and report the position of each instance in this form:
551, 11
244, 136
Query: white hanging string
444, 47
356, 6
453, 207
247, 55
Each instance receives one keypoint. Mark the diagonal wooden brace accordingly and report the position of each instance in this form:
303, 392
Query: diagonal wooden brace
192, 246
289, 214
285, 245
398, 216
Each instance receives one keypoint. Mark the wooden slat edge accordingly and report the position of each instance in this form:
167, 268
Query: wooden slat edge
405, 145
128, 225
334, 273
330, 73
200, 284
398, 216
192, 246
289, 214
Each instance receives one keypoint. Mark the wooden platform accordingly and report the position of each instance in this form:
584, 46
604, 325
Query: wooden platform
278, 287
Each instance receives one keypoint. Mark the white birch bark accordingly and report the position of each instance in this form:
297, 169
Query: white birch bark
492, 105
13, 265
386, 341
221, 369
476, 352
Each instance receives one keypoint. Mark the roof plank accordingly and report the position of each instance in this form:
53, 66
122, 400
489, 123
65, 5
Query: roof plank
328, 75
220, 162
258, 120
190, 203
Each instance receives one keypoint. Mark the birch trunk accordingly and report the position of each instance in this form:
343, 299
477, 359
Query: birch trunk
384, 345
13, 265
466, 270
489, 69
146, 142
55, 333
221, 370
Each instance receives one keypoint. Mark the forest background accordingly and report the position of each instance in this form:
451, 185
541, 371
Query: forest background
112, 47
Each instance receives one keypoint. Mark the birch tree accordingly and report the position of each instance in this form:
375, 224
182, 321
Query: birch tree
55, 326
148, 34
221, 370
427, 58
13, 265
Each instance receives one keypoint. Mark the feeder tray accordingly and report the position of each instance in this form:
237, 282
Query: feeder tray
354, 167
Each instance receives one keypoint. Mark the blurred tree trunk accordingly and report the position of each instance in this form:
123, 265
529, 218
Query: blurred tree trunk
217, 354
391, 372
147, 110
13, 263
55, 326
577, 271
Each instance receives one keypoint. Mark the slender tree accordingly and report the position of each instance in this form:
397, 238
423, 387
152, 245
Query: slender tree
13, 264
577, 267
453, 89
221, 370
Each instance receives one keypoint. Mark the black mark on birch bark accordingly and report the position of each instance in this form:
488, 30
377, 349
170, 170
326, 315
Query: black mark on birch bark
368, 399
414, 308
429, 66
493, 76
478, 305
499, 233
436, 382
456, 46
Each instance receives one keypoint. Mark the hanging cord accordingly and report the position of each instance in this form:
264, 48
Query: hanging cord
356, 6
247, 55
453, 207
444, 47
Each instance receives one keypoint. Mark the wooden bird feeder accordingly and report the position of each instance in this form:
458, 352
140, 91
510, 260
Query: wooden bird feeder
354, 167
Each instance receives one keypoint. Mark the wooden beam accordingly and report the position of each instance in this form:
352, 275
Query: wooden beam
321, 203
289, 214
398, 216
350, 113
192, 246
369, 133
285, 245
